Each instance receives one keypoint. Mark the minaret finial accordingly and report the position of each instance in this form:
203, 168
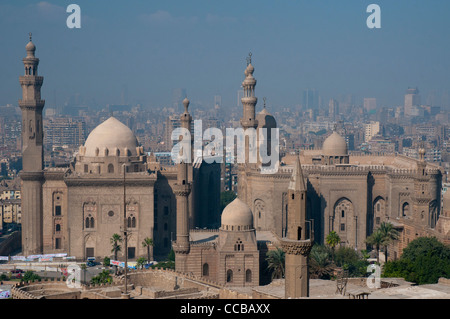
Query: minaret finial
249, 58
30, 34
264, 99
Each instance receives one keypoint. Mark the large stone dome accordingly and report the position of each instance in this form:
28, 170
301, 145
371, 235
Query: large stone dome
334, 145
112, 136
237, 214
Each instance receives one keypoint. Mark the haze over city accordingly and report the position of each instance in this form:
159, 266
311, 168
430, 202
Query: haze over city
150, 48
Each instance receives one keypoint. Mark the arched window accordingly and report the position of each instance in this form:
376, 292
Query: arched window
205, 271
238, 246
110, 168
229, 275
131, 221
405, 209
89, 222
248, 275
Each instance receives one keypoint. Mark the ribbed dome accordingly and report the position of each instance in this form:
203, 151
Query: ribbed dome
334, 145
31, 48
111, 135
237, 213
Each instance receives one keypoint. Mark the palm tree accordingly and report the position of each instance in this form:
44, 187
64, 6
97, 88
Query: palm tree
148, 242
389, 233
321, 265
114, 240
333, 240
377, 239
275, 259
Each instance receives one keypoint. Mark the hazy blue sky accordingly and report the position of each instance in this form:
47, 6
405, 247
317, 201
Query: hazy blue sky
152, 47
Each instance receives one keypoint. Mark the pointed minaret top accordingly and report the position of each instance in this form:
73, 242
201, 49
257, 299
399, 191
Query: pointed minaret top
297, 182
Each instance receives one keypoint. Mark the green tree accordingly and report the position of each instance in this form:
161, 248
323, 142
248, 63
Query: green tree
276, 262
321, 264
30, 276
102, 278
106, 261
333, 240
140, 262
390, 234
115, 240
376, 239
349, 259
226, 197
148, 243
423, 261
171, 256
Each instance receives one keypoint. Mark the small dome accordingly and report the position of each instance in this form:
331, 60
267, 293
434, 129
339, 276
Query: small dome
249, 70
237, 213
31, 48
111, 135
265, 119
334, 145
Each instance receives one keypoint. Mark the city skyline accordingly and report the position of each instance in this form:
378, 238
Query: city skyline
153, 48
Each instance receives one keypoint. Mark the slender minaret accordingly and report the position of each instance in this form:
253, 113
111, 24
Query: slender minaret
298, 242
182, 189
32, 154
248, 121
249, 101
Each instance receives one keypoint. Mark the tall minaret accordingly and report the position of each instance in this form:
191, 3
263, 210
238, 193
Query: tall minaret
182, 189
32, 153
298, 242
249, 100
248, 121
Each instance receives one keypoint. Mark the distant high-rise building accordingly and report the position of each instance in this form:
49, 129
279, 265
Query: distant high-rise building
311, 99
64, 132
240, 95
412, 101
217, 100
177, 99
333, 109
371, 129
370, 104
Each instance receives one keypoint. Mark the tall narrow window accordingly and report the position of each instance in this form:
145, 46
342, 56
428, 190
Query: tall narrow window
229, 275
205, 271
248, 276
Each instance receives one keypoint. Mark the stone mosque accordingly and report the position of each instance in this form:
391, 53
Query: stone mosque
77, 209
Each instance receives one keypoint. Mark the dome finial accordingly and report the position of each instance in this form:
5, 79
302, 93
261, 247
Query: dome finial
264, 99
30, 34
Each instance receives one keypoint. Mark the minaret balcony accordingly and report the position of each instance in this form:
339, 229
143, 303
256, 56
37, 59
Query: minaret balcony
32, 104
31, 79
182, 189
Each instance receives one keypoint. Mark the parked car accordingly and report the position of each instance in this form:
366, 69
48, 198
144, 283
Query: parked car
17, 271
